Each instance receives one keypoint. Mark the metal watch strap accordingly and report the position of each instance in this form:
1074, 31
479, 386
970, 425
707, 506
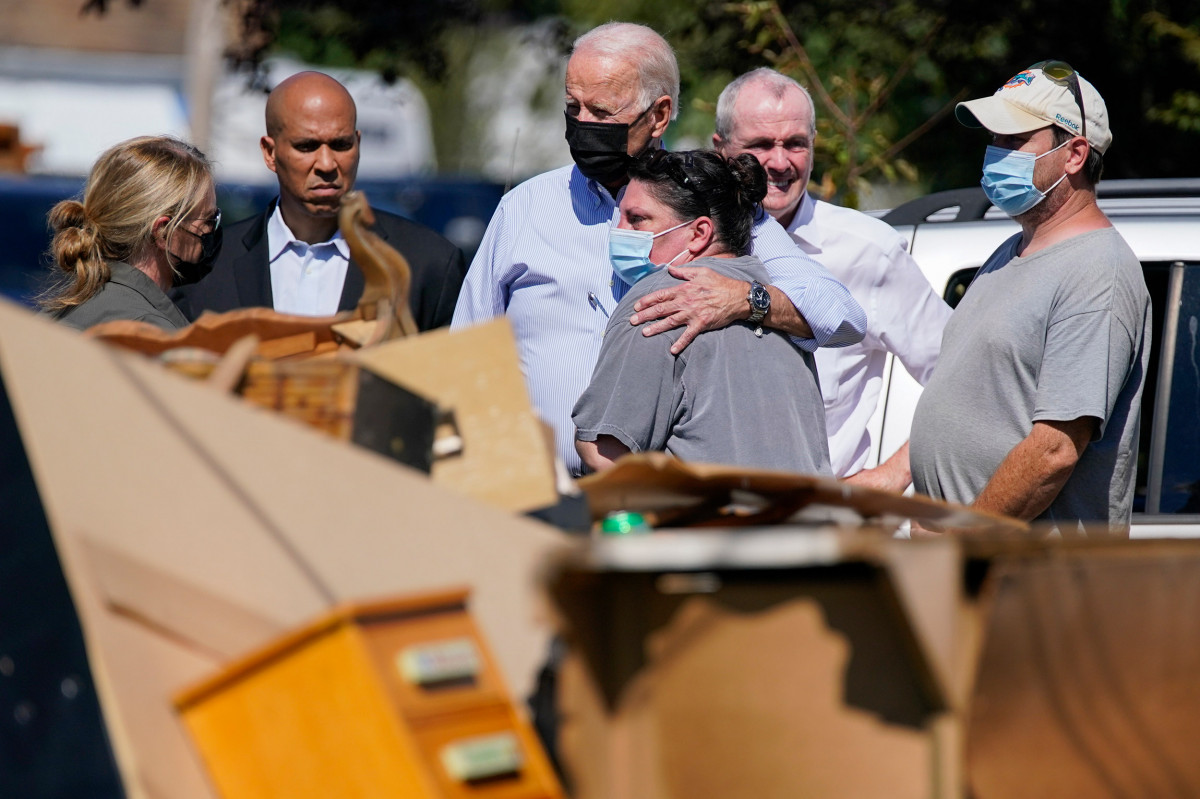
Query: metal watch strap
756, 313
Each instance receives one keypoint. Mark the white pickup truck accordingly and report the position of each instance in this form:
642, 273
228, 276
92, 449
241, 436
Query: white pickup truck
951, 234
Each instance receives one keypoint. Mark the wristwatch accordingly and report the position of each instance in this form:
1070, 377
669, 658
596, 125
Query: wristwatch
760, 302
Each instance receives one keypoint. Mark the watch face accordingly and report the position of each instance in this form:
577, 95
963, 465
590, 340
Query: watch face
760, 299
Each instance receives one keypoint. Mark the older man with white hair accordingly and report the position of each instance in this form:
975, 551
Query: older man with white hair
772, 117
544, 261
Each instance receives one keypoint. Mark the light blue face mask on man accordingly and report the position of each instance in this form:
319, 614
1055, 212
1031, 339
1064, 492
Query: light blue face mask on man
629, 252
1008, 179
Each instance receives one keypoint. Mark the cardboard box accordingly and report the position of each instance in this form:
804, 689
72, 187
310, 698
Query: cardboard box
822, 664
471, 377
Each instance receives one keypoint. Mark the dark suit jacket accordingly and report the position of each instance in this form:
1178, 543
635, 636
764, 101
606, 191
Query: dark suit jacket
241, 277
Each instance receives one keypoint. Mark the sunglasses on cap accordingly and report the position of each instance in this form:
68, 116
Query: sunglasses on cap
1063, 74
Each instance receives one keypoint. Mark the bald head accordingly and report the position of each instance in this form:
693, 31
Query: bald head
311, 92
766, 81
312, 147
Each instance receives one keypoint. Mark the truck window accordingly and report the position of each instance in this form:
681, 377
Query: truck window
956, 286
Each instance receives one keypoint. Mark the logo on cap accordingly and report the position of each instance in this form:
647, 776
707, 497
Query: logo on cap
1020, 79
1069, 123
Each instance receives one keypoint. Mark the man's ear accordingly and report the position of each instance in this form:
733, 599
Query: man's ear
660, 117
719, 144
267, 145
1079, 148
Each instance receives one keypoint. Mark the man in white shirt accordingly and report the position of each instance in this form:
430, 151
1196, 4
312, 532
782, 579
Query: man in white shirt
772, 117
292, 256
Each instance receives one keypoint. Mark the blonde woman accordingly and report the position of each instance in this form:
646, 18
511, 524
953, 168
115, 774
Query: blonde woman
149, 211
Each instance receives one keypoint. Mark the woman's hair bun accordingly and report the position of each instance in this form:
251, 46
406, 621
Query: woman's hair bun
750, 176
75, 239
68, 214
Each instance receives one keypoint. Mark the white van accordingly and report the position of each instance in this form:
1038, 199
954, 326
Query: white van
951, 234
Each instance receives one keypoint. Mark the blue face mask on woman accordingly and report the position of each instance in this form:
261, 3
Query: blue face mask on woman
629, 252
1008, 179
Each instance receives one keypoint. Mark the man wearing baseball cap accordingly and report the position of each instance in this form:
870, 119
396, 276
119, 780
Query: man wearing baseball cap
1034, 406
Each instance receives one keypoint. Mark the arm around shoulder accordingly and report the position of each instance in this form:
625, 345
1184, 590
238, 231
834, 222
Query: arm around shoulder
819, 300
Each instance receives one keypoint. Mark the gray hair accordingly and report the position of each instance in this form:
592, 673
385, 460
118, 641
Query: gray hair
768, 78
658, 72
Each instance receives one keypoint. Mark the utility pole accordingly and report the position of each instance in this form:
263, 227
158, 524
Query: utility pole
204, 53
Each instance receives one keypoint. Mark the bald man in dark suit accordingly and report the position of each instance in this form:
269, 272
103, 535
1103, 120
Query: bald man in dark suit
291, 257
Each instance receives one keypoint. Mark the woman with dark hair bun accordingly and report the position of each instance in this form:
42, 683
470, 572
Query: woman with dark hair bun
742, 395
149, 209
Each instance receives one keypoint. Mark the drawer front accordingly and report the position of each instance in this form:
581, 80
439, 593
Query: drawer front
505, 757
435, 664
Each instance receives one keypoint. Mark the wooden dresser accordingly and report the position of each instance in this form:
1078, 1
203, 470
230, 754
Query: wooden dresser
396, 698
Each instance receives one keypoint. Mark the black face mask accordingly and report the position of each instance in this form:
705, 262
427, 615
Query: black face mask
599, 149
191, 271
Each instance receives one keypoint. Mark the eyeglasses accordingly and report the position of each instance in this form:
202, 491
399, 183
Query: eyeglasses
211, 224
1063, 74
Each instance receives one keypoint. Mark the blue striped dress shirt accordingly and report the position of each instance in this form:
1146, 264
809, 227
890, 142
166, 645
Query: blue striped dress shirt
544, 263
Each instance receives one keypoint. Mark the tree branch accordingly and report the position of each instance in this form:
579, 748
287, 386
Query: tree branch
814, 80
916, 133
901, 72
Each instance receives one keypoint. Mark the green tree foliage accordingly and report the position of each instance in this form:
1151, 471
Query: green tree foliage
1134, 51
906, 61
1116, 46
392, 37
886, 71
1183, 110
869, 55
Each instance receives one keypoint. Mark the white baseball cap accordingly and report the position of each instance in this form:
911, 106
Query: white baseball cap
1033, 99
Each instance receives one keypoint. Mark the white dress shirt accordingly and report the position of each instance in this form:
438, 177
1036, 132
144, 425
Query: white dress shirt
306, 279
904, 316
543, 262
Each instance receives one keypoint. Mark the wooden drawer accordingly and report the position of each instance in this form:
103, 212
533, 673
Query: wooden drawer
533, 778
328, 711
389, 643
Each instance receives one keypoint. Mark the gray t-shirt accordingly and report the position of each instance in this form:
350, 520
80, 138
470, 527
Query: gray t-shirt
731, 397
1058, 335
